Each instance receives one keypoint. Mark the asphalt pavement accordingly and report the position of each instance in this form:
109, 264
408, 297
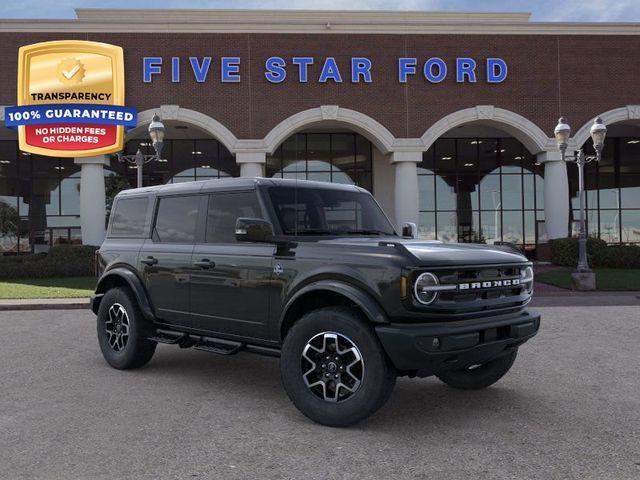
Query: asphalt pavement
569, 408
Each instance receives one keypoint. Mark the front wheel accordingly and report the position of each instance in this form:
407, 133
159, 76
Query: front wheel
481, 376
333, 367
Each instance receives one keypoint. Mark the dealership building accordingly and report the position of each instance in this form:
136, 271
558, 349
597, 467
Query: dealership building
447, 118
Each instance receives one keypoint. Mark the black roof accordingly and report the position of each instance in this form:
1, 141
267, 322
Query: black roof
234, 183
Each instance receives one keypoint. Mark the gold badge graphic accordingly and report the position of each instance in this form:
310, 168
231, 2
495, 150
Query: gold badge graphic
70, 98
70, 71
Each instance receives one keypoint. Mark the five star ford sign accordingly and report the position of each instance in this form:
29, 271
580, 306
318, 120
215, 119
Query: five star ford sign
71, 99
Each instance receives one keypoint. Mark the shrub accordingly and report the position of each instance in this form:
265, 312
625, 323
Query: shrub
61, 261
564, 252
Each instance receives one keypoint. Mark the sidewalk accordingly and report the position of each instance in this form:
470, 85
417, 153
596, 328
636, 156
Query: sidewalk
44, 304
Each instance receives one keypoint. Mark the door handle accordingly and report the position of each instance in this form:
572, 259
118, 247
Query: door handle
205, 263
149, 260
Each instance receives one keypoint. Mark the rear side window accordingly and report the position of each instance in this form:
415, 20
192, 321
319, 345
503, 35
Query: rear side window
129, 217
224, 210
176, 219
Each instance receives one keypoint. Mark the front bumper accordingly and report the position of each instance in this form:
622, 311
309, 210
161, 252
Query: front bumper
428, 348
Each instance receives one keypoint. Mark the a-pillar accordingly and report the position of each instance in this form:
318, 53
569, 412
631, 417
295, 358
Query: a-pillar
251, 163
556, 194
93, 211
406, 187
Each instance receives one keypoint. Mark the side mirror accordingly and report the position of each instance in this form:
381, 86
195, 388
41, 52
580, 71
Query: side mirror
253, 230
409, 230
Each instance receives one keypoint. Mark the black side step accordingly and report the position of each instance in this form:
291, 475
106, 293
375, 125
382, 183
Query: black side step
169, 337
219, 346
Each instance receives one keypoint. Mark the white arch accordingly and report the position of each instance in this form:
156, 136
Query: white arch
382, 138
531, 136
630, 112
200, 120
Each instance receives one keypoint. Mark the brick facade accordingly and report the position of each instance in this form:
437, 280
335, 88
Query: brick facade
575, 75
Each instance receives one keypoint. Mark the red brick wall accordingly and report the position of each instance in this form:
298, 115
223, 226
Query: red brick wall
578, 76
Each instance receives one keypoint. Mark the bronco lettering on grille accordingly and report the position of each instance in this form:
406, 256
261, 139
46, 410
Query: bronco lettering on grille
507, 282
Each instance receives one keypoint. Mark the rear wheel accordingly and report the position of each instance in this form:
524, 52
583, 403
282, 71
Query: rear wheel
477, 377
123, 331
334, 368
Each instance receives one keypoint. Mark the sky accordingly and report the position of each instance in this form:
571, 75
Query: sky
542, 10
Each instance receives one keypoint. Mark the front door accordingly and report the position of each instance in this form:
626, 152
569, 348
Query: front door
230, 281
165, 259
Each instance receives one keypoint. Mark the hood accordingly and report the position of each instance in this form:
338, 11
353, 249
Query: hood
435, 253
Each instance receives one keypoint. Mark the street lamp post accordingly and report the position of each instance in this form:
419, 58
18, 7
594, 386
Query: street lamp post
156, 133
562, 133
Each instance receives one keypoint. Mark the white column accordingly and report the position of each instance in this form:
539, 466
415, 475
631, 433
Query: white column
251, 163
93, 210
556, 194
406, 187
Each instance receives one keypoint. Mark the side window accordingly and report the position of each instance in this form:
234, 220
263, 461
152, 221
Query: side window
176, 219
129, 217
224, 210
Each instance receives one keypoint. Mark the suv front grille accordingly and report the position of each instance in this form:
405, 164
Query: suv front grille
478, 290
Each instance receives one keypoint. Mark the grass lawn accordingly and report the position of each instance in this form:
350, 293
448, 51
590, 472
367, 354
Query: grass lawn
606, 278
69, 287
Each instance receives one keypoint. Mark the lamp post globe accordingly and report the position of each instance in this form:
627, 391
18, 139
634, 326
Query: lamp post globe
156, 133
562, 133
598, 133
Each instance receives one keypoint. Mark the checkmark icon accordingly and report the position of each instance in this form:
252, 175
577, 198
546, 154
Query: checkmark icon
71, 73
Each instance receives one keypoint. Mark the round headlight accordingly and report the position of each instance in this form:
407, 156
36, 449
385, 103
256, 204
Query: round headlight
526, 278
423, 288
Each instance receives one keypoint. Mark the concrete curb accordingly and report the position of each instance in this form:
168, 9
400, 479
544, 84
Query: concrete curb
45, 304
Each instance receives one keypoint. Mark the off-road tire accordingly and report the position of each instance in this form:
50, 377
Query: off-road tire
137, 350
481, 376
378, 375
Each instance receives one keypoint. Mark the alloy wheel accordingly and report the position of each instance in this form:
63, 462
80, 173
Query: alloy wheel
332, 366
117, 327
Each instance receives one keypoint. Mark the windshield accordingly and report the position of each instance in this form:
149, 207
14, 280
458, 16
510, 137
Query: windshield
323, 211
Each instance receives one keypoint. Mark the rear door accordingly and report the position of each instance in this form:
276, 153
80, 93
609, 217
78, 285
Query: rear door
230, 281
165, 258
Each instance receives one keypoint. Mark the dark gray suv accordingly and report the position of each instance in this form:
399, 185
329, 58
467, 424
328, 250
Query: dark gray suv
315, 274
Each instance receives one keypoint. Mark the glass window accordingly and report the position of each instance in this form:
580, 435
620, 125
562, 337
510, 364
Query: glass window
427, 192
629, 155
176, 219
8, 159
182, 162
511, 192
326, 157
318, 152
630, 190
445, 156
609, 225
490, 197
318, 211
447, 226
223, 211
511, 155
630, 226
487, 155
512, 230
445, 194
427, 228
128, 217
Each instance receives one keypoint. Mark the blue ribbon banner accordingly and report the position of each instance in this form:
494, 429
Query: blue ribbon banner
70, 113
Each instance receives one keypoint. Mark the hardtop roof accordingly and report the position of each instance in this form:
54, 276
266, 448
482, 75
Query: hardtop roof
230, 184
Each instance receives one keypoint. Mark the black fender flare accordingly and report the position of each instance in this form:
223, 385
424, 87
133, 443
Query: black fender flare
134, 283
369, 306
